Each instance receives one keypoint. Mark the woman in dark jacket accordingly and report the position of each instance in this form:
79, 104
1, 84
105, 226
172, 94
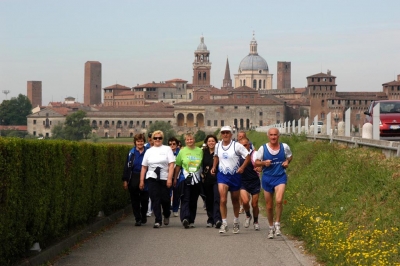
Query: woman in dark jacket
131, 178
210, 184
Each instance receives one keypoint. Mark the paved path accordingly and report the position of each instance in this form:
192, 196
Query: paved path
125, 244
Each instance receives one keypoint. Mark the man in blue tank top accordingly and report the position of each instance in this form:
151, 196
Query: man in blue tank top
274, 158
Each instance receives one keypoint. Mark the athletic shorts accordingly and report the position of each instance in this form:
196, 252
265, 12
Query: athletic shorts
252, 186
234, 182
270, 182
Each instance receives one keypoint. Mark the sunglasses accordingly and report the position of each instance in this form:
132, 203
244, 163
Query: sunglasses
172, 144
225, 132
157, 138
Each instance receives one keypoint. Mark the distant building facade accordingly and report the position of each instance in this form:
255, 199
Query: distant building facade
92, 83
392, 89
34, 92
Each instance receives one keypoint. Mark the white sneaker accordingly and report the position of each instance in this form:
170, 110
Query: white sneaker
271, 233
247, 221
223, 229
236, 228
148, 214
191, 226
278, 230
175, 214
256, 227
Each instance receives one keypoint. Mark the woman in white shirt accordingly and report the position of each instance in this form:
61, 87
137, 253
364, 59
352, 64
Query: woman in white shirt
158, 168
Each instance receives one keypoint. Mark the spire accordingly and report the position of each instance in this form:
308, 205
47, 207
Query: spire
227, 71
227, 82
253, 45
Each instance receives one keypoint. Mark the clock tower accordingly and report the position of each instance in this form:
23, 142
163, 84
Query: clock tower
201, 66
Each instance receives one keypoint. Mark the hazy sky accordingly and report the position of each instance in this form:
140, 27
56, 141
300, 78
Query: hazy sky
144, 41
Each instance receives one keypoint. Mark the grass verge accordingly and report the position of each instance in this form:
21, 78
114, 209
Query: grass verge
343, 203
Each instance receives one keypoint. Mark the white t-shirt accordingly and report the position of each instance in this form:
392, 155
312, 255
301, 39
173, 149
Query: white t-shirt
158, 157
260, 152
229, 156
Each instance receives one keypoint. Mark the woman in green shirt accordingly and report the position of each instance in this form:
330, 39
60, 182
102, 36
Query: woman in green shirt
187, 171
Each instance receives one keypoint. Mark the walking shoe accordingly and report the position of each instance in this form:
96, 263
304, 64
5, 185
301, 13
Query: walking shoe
223, 228
185, 223
236, 228
166, 220
271, 233
241, 211
148, 214
138, 223
218, 224
247, 221
144, 219
209, 225
278, 230
256, 227
175, 214
191, 226
157, 225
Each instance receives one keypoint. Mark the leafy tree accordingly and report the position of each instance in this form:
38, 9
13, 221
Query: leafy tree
165, 127
57, 132
76, 127
200, 135
94, 137
14, 111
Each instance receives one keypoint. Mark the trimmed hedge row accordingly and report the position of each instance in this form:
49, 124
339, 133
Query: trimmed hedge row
50, 188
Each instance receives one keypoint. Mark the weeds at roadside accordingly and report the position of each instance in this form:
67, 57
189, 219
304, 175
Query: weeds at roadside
343, 203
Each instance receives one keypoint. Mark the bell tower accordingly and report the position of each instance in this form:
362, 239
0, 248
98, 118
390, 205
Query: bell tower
201, 66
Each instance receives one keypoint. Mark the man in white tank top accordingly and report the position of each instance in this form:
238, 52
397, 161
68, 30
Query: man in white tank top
227, 157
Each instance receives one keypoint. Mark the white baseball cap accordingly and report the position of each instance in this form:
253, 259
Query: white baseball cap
226, 128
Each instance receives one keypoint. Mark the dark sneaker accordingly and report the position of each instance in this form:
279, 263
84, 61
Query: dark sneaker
166, 221
144, 220
218, 224
185, 223
138, 223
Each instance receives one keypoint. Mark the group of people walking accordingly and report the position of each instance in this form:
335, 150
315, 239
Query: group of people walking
157, 172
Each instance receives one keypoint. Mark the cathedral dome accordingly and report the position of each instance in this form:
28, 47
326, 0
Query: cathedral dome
253, 62
202, 46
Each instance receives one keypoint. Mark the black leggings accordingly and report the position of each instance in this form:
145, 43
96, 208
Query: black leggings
159, 195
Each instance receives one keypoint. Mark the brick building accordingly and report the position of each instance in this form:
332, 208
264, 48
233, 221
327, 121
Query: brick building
284, 75
34, 92
92, 83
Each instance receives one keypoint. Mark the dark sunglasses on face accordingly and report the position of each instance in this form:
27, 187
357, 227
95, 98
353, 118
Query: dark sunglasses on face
172, 144
157, 138
225, 132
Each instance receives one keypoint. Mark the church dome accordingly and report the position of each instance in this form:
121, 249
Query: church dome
253, 62
202, 46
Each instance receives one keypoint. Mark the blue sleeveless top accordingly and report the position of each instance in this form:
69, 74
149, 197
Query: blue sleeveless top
275, 169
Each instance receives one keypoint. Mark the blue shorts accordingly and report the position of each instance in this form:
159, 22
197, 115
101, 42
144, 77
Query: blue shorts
270, 182
234, 182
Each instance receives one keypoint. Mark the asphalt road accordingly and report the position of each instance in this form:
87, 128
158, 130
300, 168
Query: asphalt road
126, 244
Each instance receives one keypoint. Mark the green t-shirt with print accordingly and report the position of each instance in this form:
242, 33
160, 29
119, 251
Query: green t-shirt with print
190, 159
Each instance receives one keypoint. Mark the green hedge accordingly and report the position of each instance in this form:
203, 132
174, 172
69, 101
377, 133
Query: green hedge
48, 189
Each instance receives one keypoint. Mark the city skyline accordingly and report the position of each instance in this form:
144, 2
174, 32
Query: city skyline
139, 42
